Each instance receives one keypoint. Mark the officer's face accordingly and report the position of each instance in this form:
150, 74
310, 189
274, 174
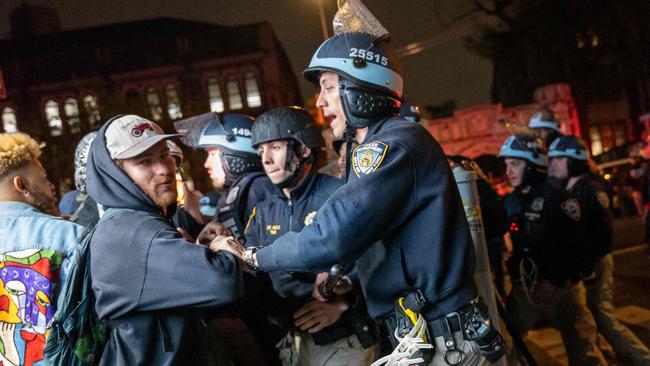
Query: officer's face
515, 169
329, 101
215, 168
558, 168
274, 156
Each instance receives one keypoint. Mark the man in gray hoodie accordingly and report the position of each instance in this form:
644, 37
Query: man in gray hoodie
148, 280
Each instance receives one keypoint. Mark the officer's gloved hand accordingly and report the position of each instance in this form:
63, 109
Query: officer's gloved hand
211, 231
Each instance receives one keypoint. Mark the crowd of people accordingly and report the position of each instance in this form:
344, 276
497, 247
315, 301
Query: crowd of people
295, 267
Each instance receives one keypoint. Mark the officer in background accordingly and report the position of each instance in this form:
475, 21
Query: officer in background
235, 169
544, 267
236, 172
569, 163
545, 125
288, 141
399, 190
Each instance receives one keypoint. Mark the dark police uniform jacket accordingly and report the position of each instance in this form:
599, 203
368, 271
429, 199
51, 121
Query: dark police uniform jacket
235, 207
543, 227
400, 191
596, 219
279, 215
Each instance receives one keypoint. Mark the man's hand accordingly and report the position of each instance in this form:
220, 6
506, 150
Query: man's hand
228, 244
185, 234
318, 315
344, 285
211, 231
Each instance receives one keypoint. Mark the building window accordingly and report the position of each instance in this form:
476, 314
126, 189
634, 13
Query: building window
53, 117
92, 111
153, 99
71, 109
214, 93
253, 98
173, 102
234, 97
9, 120
596, 144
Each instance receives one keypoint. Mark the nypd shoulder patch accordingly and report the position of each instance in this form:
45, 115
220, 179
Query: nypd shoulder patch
571, 208
368, 157
603, 199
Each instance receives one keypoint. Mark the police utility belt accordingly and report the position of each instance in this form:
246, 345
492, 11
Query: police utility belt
353, 321
470, 320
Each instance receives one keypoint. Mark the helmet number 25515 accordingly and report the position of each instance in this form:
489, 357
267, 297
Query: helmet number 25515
369, 55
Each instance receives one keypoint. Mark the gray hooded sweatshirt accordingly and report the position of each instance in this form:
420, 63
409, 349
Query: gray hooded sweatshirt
147, 279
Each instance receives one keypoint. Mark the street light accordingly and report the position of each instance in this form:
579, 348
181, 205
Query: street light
323, 22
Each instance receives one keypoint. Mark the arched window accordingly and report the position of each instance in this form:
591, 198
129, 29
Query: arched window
214, 94
92, 111
53, 117
71, 109
234, 97
173, 102
9, 120
253, 98
153, 99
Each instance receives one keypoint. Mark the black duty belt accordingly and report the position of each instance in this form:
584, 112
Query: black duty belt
436, 325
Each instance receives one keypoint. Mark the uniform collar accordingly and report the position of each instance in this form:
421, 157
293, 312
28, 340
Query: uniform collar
374, 128
304, 189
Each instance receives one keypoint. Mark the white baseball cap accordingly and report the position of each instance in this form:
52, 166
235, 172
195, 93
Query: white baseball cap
130, 135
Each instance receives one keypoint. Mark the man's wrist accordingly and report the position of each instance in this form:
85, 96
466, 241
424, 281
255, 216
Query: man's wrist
250, 258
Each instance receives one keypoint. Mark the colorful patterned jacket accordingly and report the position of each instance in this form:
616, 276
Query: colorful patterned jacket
35, 251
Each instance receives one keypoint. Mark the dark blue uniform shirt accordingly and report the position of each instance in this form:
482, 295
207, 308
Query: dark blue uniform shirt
400, 191
544, 228
596, 219
278, 215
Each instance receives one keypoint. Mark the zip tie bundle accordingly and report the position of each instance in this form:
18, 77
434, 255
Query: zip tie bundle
408, 345
529, 277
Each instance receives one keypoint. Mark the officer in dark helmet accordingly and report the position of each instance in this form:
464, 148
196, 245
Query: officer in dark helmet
569, 164
399, 190
288, 140
234, 168
544, 267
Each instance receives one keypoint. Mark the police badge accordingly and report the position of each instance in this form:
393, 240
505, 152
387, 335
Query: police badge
368, 157
309, 219
538, 204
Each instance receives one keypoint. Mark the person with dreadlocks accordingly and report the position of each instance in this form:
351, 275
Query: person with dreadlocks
544, 267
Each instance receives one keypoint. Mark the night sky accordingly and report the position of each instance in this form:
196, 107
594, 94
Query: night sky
444, 72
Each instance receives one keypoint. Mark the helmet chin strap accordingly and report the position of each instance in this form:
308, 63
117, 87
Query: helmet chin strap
292, 179
349, 139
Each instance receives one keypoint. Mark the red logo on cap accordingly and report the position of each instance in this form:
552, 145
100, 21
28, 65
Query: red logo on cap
138, 130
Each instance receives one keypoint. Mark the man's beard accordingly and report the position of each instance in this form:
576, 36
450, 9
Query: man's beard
164, 199
44, 202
